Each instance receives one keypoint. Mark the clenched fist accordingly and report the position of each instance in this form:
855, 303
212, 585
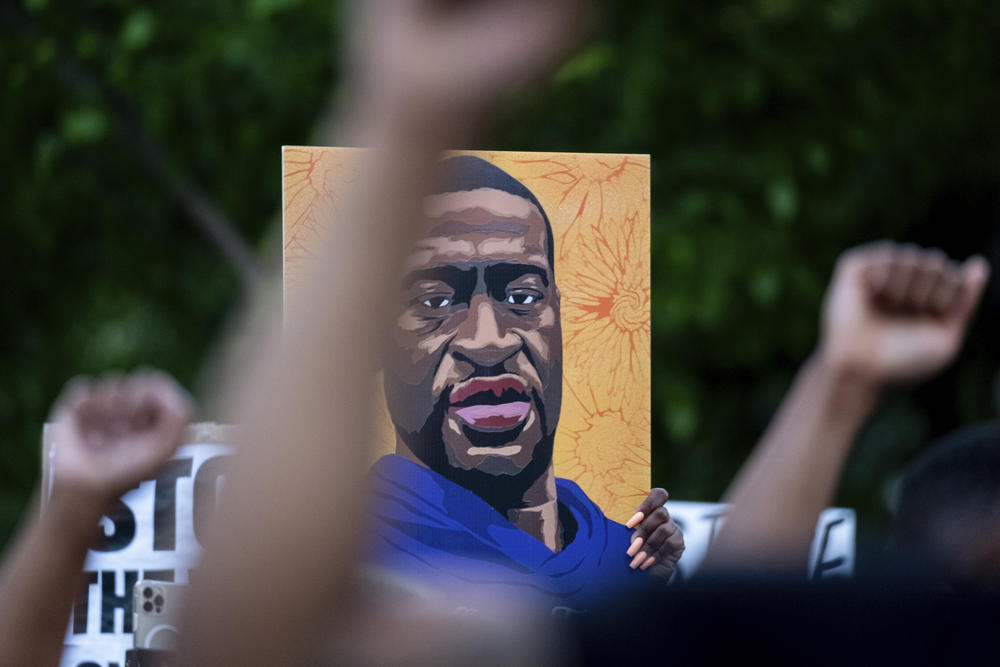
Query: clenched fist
898, 313
116, 431
456, 55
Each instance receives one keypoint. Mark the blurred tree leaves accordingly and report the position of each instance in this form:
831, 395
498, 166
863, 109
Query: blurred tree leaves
103, 267
782, 132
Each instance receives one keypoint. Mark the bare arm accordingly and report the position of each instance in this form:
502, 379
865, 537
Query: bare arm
41, 577
427, 71
112, 435
893, 314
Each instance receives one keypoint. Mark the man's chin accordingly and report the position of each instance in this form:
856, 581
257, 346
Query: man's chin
490, 449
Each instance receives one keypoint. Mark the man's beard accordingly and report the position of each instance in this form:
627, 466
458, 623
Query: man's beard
503, 491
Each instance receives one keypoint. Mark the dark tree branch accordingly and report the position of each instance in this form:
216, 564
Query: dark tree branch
200, 210
198, 207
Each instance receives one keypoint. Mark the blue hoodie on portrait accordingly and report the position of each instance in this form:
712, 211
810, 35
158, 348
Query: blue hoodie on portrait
431, 530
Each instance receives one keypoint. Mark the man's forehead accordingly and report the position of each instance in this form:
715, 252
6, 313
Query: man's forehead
482, 225
501, 204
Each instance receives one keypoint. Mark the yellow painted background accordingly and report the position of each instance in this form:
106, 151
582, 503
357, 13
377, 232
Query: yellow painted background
598, 205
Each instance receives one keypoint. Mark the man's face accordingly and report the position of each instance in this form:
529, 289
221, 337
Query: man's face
473, 371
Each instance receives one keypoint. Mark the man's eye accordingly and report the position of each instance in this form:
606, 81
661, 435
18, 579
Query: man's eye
521, 299
436, 302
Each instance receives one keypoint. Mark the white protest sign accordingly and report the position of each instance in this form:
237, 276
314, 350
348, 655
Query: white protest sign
154, 532
832, 553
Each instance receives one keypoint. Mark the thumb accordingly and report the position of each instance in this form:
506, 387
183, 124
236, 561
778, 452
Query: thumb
975, 273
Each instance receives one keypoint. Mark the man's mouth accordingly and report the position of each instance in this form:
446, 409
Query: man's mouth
491, 404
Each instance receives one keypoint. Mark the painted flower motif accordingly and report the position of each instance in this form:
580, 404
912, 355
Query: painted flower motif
300, 219
315, 181
583, 191
607, 454
606, 317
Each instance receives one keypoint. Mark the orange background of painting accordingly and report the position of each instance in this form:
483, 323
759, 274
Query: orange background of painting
598, 205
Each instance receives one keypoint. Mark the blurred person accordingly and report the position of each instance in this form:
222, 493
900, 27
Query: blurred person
473, 383
112, 433
769, 619
274, 580
893, 315
947, 514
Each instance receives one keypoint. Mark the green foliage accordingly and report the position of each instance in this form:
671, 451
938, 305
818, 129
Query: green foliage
103, 269
782, 132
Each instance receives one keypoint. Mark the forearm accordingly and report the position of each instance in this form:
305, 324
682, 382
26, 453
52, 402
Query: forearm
307, 415
792, 474
892, 315
41, 576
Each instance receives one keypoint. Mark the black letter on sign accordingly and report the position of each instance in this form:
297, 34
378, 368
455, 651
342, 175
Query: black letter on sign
110, 600
158, 575
715, 518
165, 505
124, 521
824, 565
82, 603
206, 492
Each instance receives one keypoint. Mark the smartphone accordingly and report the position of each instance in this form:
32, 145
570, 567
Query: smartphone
157, 607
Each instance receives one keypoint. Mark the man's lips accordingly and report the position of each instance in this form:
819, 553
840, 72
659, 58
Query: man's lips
491, 404
478, 385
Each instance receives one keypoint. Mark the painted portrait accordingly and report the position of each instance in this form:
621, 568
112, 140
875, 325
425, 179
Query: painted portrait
515, 372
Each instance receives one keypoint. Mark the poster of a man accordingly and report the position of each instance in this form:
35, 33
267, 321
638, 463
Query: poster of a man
473, 382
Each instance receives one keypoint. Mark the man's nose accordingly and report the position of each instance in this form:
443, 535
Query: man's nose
481, 339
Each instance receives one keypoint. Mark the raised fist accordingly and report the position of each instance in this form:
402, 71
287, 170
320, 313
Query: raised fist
898, 313
455, 56
116, 431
